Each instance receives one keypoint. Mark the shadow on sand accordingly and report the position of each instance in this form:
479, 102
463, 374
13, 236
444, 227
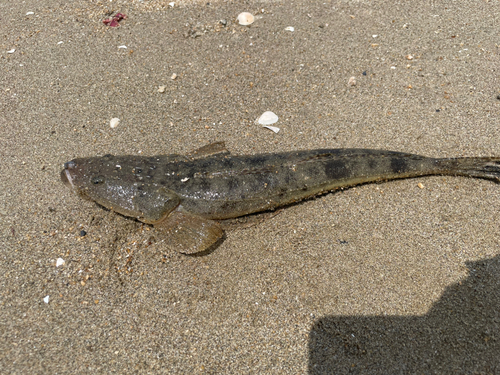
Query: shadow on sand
460, 334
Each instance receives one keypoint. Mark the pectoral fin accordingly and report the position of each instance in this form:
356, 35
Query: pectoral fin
189, 233
216, 148
155, 203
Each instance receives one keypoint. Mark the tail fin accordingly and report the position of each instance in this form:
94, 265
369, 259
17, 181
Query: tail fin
482, 167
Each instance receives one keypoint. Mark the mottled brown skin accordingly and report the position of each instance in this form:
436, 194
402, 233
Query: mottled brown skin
186, 195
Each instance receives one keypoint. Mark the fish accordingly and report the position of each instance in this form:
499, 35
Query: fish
187, 197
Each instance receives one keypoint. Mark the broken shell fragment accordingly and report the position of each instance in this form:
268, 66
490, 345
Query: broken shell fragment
114, 123
289, 28
352, 81
273, 128
267, 118
161, 89
245, 19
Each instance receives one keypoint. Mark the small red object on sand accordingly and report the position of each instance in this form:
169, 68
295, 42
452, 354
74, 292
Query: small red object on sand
113, 22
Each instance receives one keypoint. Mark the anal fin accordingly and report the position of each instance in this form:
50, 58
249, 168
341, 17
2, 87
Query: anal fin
189, 233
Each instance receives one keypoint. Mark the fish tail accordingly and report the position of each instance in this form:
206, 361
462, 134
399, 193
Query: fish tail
480, 167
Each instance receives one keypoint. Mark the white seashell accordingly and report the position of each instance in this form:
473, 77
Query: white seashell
114, 122
161, 89
245, 18
173, 76
267, 118
172, 4
46, 299
290, 28
30, 13
12, 50
61, 42
352, 81
273, 128
60, 262
123, 47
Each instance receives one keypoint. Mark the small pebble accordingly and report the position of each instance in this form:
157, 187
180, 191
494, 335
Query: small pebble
59, 262
172, 4
420, 185
46, 299
409, 57
83, 233
114, 122
267, 118
161, 89
245, 19
61, 42
352, 81
173, 76
498, 97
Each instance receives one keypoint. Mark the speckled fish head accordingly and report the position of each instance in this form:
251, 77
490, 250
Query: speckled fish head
101, 179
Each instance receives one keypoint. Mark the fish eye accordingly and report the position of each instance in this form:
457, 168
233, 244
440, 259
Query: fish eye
97, 180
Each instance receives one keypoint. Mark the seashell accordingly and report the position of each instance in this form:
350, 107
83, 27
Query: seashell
267, 118
245, 18
114, 123
273, 128
289, 28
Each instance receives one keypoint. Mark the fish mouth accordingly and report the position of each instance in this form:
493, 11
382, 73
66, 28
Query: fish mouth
66, 177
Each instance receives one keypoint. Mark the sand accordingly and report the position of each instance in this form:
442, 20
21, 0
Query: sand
385, 278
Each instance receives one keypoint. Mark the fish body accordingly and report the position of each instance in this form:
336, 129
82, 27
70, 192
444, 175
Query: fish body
186, 196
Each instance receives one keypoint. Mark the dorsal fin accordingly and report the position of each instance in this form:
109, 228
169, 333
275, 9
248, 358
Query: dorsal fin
216, 148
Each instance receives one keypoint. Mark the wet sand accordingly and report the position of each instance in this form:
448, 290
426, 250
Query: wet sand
381, 278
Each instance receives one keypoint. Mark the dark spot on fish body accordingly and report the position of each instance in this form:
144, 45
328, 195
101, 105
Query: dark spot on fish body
372, 163
337, 170
399, 165
232, 184
203, 185
259, 160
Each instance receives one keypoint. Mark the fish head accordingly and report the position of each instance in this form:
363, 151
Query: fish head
104, 181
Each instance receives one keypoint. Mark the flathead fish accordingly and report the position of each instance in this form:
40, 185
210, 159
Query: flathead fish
187, 196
